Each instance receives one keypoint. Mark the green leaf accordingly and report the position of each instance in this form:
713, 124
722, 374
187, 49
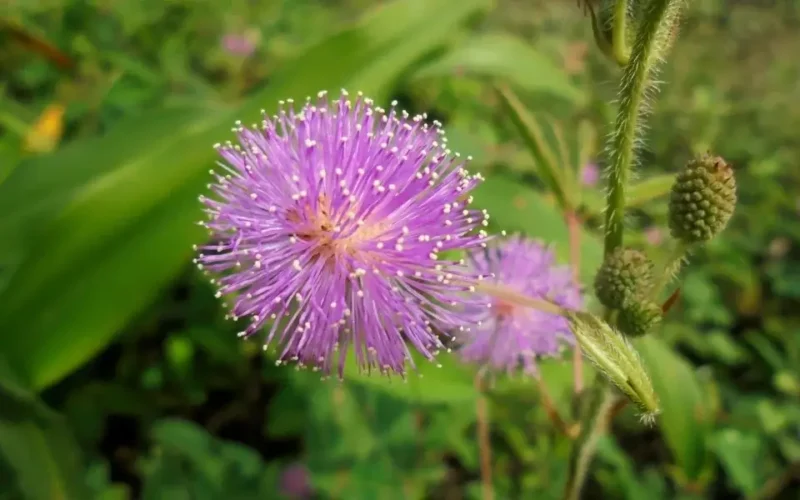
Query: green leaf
549, 166
649, 189
358, 439
515, 206
508, 58
685, 420
107, 223
37, 446
624, 476
638, 193
445, 380
188, 462
742, 456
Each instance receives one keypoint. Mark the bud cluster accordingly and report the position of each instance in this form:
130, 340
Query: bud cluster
639, 317
624, 282
625, 275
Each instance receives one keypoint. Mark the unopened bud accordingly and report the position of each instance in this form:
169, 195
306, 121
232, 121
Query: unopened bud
639, 317
616, 359
625, 275
702, 199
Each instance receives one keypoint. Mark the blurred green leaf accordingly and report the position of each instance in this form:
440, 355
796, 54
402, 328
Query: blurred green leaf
444, 380
180, 354
639, 193
767, 350
508, 58
107, 223
787, 383
702, 299
685, 420
624, 476
515, 206
649, 189
549, 166
37, 445
360, 440
742, 457
189, 463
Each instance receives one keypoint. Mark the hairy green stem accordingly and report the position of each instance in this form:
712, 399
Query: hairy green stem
650, 43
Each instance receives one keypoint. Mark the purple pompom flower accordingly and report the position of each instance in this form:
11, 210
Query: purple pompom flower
509, 336
330, 223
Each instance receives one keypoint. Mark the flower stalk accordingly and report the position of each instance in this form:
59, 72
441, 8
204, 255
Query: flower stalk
672, 265
648, 48
650, 45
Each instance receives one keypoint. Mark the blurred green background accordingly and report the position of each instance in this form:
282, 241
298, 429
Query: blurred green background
119, 378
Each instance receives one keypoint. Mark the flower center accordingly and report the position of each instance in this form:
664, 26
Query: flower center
503, 309
333, 234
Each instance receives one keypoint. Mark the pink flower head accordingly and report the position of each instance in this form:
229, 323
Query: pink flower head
511, 336
331, 224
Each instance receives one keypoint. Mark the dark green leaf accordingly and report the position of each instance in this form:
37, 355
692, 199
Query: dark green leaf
36, 446
742, 456
549, 166
685, 420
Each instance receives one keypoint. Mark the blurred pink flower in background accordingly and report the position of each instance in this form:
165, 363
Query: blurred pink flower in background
295, 482
654, 235
239, 44
779, 247
590, 174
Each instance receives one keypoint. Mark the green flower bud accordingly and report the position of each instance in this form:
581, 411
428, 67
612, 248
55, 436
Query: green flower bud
639, 317
702, 199
626, 275
617, 360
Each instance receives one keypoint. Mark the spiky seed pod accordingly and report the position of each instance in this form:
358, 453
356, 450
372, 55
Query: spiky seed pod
639, 317
702, 200
626, 274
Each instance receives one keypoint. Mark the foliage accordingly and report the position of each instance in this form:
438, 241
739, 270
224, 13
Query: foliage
119, 377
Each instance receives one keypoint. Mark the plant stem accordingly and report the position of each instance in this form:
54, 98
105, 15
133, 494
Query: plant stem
574, 231
550, 407
484, 441
513, 297
593, 425
619, 33
652, 40
646, 51
671, 267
